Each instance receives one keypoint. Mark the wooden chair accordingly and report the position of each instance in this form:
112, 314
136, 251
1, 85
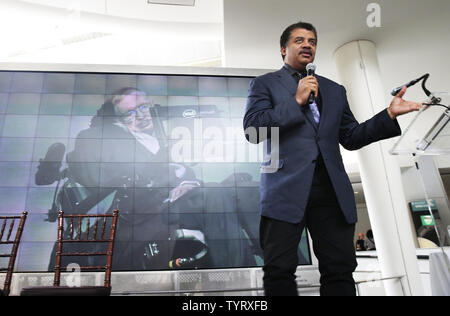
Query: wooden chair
76, 230
10, 222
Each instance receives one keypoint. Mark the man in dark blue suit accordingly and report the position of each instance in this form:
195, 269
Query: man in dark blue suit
309, 186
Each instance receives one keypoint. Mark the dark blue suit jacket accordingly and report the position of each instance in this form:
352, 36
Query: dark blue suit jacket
271, 103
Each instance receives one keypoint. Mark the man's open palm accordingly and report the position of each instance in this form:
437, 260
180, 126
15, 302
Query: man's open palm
400, 106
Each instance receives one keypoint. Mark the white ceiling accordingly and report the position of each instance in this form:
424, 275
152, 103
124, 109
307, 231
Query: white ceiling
111, 32
204, 11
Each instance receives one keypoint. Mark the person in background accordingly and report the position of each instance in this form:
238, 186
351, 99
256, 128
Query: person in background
369, 241
360, 243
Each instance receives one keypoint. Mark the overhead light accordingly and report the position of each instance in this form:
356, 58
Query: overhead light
173, 2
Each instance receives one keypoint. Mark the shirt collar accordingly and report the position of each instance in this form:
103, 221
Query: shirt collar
292, 71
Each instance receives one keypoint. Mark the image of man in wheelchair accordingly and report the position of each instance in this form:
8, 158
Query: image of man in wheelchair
122, 162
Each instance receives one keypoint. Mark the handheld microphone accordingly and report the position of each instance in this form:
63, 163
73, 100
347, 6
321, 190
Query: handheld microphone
310, 71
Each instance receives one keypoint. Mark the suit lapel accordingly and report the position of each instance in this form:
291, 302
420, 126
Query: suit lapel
289, 83
286, 80
324, 98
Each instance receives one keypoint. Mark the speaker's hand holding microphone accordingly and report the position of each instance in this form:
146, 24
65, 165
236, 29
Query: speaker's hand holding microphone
308, 87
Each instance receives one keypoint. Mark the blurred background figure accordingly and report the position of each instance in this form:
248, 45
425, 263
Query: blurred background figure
369, 242
360, 243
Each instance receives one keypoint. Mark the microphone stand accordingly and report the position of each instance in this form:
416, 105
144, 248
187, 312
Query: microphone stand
434, 100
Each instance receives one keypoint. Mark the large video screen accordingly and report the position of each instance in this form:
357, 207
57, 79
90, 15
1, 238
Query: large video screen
168, 151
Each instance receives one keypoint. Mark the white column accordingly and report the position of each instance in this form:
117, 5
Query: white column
358, 68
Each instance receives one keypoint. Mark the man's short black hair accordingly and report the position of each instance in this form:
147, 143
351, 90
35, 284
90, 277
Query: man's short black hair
287, 32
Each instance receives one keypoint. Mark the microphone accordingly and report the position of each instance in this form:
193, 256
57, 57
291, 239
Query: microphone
310, 71
411, 83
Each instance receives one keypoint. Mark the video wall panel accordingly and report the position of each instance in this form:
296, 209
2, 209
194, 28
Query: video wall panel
167, 151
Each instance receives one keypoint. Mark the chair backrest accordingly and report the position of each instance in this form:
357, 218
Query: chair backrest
86, 229
10, 227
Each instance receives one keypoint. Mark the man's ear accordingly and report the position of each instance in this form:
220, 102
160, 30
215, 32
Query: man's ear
283, 51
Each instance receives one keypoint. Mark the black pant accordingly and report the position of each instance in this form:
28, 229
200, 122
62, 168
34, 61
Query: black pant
332, 240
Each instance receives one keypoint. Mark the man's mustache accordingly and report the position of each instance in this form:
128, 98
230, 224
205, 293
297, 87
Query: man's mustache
305, 51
